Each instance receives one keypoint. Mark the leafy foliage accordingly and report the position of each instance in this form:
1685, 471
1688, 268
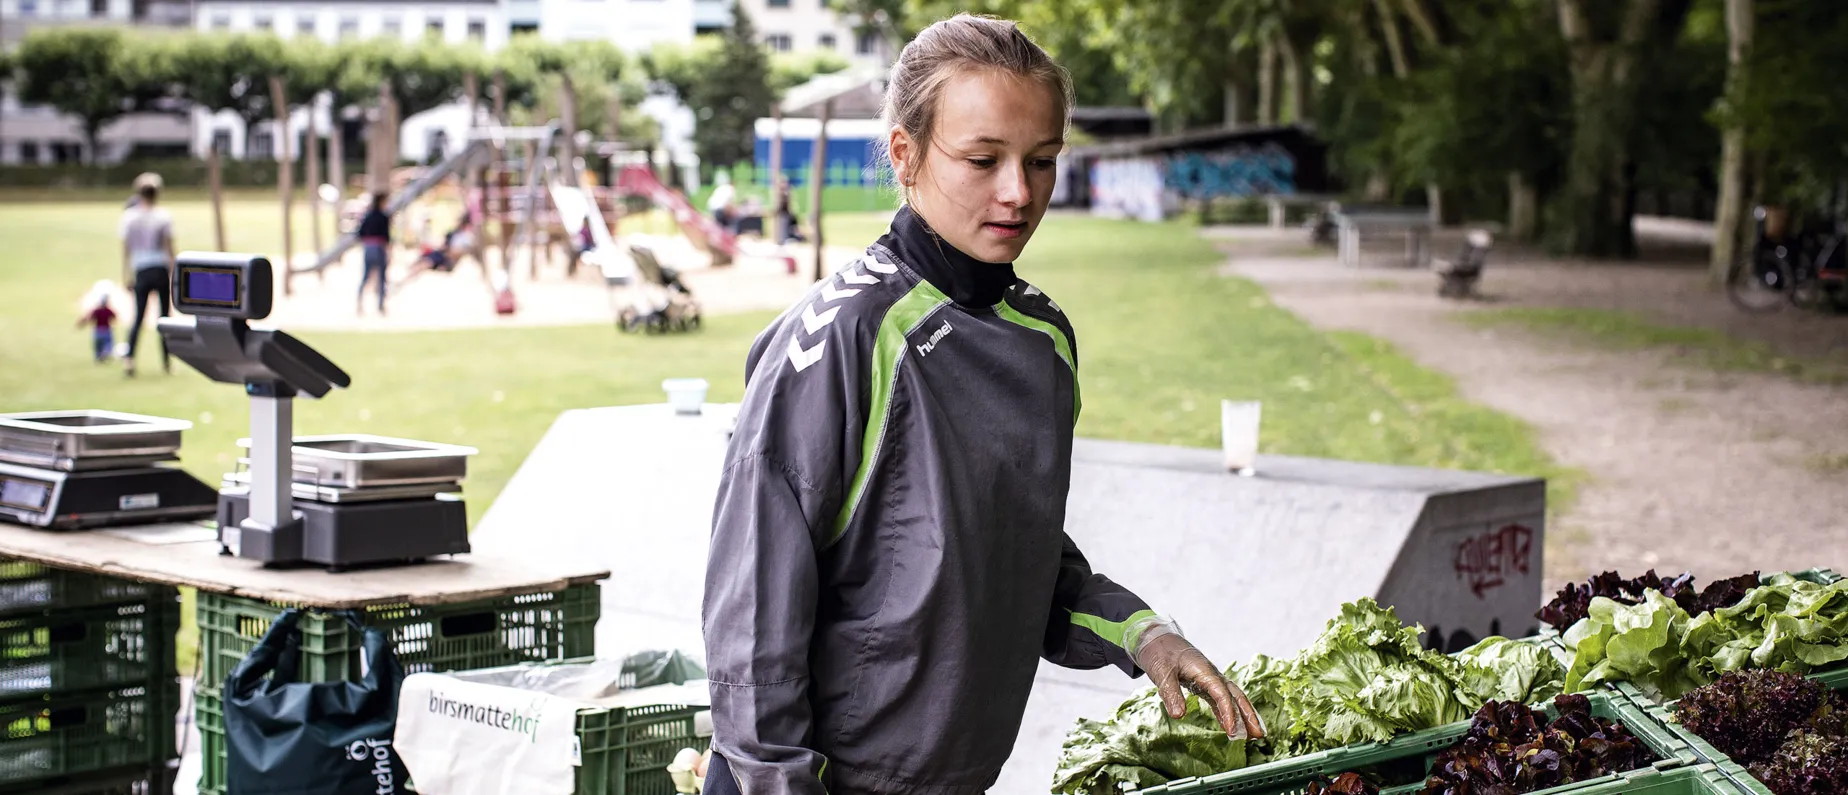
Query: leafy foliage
1809, 763
1787, 624
1574, 601
1511, 749
1748, 714
1365, 679
1344, 784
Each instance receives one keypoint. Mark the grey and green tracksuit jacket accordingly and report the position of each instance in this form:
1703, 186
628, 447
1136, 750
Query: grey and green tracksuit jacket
888, 557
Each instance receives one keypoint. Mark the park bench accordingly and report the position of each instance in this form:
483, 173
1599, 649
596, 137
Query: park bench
1280, 204
1458, 277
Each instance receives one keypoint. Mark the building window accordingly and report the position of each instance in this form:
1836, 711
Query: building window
393, 28
825, 41
777, 4
263, 22
866, 43
477, 29
518, 28
304, 25
261, 146
221, 21
28, 152
28, 8
434, 28
778, 41
221, 141
349, 27
99, 8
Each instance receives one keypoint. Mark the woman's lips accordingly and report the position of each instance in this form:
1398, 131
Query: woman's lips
1006, 230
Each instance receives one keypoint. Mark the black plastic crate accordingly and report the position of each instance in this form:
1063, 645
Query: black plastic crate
56, 651
54, 736
32, 587
154, 779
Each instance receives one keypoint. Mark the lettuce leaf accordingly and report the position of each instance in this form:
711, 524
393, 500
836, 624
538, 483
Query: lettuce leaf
1366, 678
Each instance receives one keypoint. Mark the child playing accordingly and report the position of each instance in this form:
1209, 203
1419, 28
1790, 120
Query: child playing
102, 317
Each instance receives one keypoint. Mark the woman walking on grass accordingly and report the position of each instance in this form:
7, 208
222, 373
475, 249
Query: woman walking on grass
147, 262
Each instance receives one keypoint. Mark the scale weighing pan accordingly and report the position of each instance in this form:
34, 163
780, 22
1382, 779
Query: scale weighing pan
88, 439
240, 481
361, 461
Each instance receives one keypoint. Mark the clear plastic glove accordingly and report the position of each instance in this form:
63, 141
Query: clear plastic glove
1173, 663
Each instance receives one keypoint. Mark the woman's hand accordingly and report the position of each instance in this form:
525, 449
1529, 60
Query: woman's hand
1173, 663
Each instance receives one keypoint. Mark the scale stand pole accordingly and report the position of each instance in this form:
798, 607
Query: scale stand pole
271, 532
272, 424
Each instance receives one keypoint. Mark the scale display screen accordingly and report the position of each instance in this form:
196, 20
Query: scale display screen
32, 495
214, 286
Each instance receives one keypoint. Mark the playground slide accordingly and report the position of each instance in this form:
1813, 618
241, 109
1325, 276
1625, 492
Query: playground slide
699, 227
575, 209
402, 199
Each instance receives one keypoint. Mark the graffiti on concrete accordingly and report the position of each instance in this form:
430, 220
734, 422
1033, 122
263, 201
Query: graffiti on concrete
1486, 561
1245, 171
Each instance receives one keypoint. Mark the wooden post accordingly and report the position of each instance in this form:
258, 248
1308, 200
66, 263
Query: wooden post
312, 156
818, 171
376, 179
336, 162
533, 193
567, 145
218, 196
286, 182
616, 151
501, 204
776, 165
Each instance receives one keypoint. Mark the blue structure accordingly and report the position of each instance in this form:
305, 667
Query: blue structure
852, 157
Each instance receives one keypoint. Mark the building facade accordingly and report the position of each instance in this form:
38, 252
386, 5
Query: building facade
37, 135
805, 25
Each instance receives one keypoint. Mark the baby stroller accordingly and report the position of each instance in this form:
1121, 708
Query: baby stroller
659, 302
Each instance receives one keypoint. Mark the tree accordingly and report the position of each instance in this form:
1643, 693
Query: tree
727, 86
788, 70
1604, 41
95, 74
232, 71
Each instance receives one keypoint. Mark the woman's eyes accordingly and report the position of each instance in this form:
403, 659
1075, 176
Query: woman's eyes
1041, 163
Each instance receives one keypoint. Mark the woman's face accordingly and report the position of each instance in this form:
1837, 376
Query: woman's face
986, 176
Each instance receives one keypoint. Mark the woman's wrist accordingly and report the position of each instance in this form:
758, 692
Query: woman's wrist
1138, 634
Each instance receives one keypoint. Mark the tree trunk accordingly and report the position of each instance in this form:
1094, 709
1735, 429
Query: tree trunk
311, 156
819, 173
286, 182
1522, 207
218, 196
1298, 80
1241, 87
501, 179
1421, 21
1395, 47
1731, 209
92, 131
336, 162
1594, 205
567, 143
1267, 80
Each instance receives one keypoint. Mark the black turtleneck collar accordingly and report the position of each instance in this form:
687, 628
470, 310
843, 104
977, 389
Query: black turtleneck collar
965, 279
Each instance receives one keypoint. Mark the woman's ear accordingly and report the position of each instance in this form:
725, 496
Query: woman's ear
898, 147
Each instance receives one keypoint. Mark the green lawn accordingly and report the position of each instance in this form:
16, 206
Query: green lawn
1162, 339
1706, 348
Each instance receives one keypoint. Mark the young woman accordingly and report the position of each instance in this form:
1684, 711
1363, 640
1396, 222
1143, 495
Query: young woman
375, 241
888, 559
147, 262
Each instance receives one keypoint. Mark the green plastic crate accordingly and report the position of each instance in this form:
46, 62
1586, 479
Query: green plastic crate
455, 637
1663, 713
60, 735
1696, 780
32, 587
1409, 758
154, 779
623, 751
98, 647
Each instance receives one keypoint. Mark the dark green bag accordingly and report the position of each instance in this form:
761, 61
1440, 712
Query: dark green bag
312, 738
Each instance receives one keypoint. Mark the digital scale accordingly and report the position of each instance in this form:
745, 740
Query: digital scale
333, 501
72, 470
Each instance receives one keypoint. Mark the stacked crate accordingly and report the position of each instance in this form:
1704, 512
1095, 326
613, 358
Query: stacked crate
88, 684
465, 636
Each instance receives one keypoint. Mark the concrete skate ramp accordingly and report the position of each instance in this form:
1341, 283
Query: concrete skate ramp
1245, 564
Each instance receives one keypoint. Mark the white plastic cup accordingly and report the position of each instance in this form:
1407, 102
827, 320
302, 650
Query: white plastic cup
1239, 429
686, 395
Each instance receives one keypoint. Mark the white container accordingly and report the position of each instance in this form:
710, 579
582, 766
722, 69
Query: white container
1239, 424
686, 395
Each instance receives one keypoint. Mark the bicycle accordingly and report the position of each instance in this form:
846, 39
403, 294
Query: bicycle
1807, 272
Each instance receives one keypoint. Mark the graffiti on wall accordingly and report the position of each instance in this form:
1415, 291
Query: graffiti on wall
1147, 188
1243, 171
1127, 187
